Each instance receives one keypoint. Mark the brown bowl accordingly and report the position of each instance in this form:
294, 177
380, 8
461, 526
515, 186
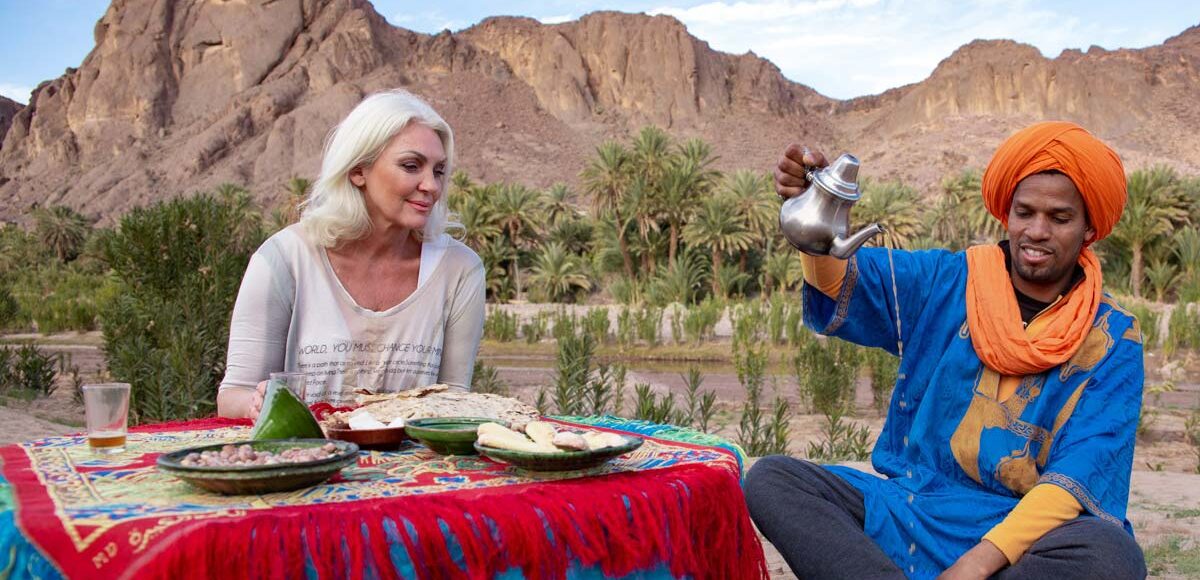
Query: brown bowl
386, 439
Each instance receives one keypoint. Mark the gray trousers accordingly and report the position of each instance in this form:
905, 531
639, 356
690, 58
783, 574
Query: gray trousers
815, 519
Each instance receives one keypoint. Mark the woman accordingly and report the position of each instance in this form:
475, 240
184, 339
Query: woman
367, 291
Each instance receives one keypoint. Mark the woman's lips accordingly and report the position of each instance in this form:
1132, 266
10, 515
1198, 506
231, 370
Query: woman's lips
420, 206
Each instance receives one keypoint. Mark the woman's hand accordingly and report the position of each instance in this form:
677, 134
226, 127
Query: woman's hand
256, 400
791, 175
979, 563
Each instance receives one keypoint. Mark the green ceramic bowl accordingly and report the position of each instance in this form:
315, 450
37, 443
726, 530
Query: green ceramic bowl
256, 479
561, 461
447, 435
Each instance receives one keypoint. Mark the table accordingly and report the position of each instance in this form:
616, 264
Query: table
672, 509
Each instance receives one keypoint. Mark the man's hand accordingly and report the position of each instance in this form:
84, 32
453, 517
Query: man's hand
791, 175
978, 563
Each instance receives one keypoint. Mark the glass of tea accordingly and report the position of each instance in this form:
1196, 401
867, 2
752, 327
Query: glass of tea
106, 406
297, 383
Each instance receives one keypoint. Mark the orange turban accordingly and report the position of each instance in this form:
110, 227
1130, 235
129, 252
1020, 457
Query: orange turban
1057, 145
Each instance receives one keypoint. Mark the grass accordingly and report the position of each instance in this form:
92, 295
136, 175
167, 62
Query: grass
717, 352
1174, 555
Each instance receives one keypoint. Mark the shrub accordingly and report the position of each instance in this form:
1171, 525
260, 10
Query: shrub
177, 267
61, 298
883, 368
28, 370
486, 379
596, 323
8, 308
500, 325
574, 366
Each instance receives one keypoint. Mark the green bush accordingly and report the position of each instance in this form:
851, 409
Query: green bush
1148, 320
61, 298
500, 325
28, 371
883, 369
8, 308
596, 323
1184, 329
177, 266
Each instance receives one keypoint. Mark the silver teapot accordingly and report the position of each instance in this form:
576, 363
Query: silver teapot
816, 221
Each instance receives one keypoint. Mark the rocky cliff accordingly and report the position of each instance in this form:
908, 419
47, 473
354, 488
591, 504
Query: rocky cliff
181, 96
8, 109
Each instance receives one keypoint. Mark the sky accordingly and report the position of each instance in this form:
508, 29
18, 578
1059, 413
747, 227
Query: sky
841, 48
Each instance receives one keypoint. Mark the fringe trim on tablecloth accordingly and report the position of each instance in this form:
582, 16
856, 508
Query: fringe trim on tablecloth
692, 516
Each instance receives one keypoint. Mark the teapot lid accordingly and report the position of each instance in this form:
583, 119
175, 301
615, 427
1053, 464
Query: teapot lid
841, 177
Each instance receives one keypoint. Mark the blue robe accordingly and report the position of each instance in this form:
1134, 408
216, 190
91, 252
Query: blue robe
957, 460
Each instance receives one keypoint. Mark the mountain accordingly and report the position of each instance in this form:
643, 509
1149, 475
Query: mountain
8, 108
181, 96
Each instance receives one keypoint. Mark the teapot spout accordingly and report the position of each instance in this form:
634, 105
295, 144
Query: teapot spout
843, 248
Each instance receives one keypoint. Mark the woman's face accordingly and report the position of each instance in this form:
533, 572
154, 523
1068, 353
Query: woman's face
402, 185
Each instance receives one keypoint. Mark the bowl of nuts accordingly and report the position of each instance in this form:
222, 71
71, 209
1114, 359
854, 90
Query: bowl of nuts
263, 466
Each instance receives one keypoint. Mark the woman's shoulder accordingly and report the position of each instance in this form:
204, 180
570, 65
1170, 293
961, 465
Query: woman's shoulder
460, 255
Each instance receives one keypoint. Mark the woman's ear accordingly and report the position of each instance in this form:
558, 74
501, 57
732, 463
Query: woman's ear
358, 177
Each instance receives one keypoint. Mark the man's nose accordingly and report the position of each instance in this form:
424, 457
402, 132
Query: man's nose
1039, 228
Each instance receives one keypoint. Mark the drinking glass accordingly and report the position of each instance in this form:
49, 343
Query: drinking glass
106, 407
297, 383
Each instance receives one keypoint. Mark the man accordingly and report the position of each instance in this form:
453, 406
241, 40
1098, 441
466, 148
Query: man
1009, 438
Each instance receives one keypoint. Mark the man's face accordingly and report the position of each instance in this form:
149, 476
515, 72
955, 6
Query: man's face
1047, 227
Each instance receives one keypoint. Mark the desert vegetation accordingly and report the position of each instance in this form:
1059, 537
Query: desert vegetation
653, 251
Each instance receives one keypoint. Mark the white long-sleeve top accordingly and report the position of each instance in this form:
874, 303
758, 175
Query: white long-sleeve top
293, 314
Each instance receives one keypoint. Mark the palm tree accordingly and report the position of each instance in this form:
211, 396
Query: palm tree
516, 209
894, 206
682, 280
480, 222
683, 183
719, 227
755, 202
557, 204
651, 154
1153, 209
606, 179
63, 230
558, 274
1162, 275
782, 268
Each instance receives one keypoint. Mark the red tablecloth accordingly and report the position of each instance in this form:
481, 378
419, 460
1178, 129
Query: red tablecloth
675, 501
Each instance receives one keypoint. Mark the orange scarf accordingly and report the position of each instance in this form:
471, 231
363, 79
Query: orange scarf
994, 318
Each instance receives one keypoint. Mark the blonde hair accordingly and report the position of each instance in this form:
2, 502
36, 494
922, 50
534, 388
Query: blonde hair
335, 210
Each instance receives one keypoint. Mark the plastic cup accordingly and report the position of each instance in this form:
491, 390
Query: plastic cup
106, 407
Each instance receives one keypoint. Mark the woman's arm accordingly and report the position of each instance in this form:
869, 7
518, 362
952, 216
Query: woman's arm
257, 333
464, 330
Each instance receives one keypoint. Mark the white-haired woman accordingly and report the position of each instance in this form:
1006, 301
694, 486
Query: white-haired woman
367, 291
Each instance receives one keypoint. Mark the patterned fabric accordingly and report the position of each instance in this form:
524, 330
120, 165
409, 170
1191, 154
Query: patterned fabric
957, 460
93, 515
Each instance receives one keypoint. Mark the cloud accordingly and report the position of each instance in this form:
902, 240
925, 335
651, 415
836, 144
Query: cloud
18, 93
848, 48
556, 19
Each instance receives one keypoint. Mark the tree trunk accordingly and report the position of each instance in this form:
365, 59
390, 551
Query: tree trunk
1135, 270
625, 257
716, 265
674, 244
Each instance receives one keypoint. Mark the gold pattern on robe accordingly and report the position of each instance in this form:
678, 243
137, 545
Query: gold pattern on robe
985, 412
1017, 471
1063, 414
1095, 345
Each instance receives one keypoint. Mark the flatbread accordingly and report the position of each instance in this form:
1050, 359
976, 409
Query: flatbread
438, 401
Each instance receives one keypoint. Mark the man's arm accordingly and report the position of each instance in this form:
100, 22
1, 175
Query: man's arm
1044, 508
